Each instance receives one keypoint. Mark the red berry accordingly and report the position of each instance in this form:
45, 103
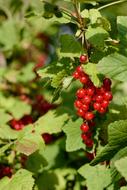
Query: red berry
47, 138
105, 104
89, 143
92, 123
86, 99
85, 107
90, 91
79, 69
89, 116
96, 106
99, 98
16, 124
107, 83
84, 79
80, 113
108, 96
102, 110
90, 156
84, 127
76, 75
83, 58
81, 93
78, 104
84, 137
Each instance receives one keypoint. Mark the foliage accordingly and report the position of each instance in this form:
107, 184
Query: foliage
40, 138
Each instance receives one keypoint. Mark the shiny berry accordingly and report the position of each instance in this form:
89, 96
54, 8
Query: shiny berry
84, 79
89, 116
79, 69
96, 106
76, 75
90, 91
83, 58
108, 96
78, 104
89, 143
80, 113
107, 83
85, 107
105, 104
47, 138
84, 137
81, 93
84, 127
102, 110
99, 98
86, 99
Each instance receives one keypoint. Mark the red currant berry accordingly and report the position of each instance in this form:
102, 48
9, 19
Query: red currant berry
85, 107
84, 137
90, 91
83, 58
80, 113
84, 79
107, 83
89, 116
108, 96
79, 69
92, 123
86, 99
89, 143
47, 138
81, 93
84, 127
105, 104
76, 75
96, 106
90, 156
102, 110
78, 104
99, 98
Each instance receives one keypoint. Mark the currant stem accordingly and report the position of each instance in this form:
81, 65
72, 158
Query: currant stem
111, 4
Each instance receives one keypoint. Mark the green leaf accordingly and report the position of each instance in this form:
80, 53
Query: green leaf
51, 122
121, 166
73, 133
22, 179
9, 31
26, 73
117, 132
91, 70
70, 45
58, 79
123, 188
6, 132
97, 177
96, 36
94, 15
29, 141
4, 117
114, 66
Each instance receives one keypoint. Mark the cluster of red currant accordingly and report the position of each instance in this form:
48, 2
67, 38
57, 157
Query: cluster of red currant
90, 100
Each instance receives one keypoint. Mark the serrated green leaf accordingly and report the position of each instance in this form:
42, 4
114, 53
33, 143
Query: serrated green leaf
117, 132
52, 122
58, 79
22, 179
29, 141
70, 45
121, 166
73, 133
7, 133
4, 148
67, 81
114, 66
91, 70
5, 117
96, 36
97, 177
94, 15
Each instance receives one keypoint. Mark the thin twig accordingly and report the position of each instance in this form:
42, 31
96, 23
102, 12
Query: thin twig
111, 4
